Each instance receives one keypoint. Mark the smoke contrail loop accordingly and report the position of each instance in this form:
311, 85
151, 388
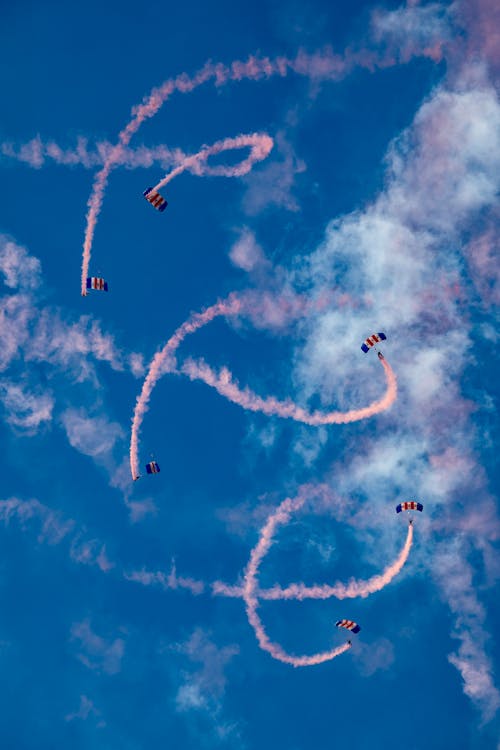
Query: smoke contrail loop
260, 146
250, 592
320, 66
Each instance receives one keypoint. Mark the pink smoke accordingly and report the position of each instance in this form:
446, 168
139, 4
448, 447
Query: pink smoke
260, 146
224, 384
351, 590
324, 65
164, 361
172, 581
252, 594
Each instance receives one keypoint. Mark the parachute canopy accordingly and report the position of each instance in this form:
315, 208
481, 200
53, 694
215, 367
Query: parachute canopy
95, 282
348, 625
375, 338
152, 468
409, 505
156, 200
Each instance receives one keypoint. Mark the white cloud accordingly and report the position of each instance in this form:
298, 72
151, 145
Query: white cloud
26, 410
401, 263
92, 436
246, 253
273, 184
20, 270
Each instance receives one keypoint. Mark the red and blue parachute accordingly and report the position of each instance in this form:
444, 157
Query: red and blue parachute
375, 338
152, 468
95, 282
156, 200
409, 505
348, 625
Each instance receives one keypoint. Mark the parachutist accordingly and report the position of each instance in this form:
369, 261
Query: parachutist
156, 200
375, 338
152, 467
96, 282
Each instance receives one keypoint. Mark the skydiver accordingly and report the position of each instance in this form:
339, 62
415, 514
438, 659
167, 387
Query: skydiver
380, 355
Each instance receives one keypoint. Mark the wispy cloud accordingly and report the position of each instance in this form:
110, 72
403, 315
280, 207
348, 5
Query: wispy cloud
96, 652
92, 436
202, 689
26, 410
455, 579
53, 527
85, 710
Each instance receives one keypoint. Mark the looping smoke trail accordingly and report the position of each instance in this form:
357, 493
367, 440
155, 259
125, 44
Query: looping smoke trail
260, 146
250, 591
319, 66
164, 361
252, 594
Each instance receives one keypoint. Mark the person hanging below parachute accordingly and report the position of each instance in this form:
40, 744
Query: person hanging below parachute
409, 505
96, 282
156, 200
375, 338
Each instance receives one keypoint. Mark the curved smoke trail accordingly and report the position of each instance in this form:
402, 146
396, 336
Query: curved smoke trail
317, 66
252, 594
224, 384
260, 146
351, 590
251, 597
164, 361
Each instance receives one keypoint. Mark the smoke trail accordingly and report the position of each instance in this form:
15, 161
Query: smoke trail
252, 594
35, 153
163, 361
351, 590
224, 384
250, 591
319, 66
169, 582
260, 146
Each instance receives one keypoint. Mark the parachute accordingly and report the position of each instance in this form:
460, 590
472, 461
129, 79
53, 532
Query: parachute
95, 282
156, 200
409, 505
375, 338
152, 468
348, 625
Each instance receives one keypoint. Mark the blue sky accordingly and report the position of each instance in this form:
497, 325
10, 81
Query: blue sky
376, 210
